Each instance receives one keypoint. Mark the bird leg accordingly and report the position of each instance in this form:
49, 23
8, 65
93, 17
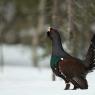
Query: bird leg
58, 73
67, 86
75, 87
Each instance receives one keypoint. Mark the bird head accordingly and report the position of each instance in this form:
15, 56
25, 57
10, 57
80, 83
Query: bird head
52, 33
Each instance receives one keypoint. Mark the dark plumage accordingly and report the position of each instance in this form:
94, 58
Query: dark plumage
69, 68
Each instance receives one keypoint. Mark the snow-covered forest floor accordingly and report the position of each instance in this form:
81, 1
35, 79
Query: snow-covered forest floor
32, 81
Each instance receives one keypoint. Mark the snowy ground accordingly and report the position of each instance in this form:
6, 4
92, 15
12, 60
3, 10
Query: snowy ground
25, 80
20, 55
31, 81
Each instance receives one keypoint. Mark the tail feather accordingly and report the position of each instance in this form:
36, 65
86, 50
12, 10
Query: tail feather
92, 67
90, 58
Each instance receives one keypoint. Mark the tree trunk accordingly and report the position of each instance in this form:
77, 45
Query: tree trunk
70, 12
34, 51
41, 18
1, 55
40, 27
56, 17
72, 33
2, 58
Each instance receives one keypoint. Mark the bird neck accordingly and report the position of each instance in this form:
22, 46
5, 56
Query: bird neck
57, 48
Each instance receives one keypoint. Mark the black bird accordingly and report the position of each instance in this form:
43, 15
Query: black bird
67, 67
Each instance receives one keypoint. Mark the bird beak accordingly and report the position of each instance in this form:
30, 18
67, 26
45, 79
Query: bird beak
49, 29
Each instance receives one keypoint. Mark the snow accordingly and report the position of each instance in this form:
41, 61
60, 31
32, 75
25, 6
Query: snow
20, 55
16, 55
33, 81
26, 80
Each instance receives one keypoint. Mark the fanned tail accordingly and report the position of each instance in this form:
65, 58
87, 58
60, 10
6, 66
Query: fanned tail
90, 57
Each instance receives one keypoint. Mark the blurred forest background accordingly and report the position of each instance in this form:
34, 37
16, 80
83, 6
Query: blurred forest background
25, 22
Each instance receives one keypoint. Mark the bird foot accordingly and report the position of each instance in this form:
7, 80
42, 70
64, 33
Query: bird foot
75, 88
67, 86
